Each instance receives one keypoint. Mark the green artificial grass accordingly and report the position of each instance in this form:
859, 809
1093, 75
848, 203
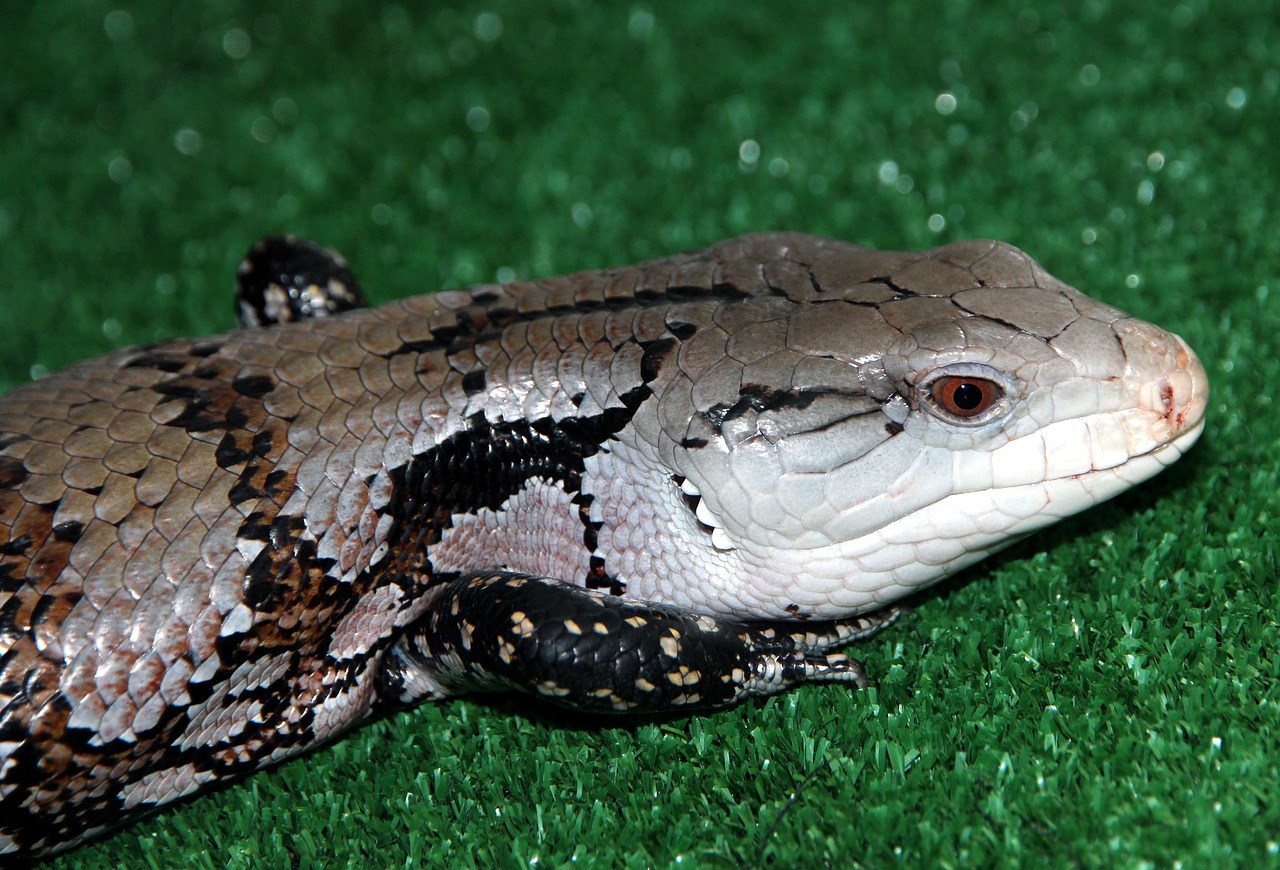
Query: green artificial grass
1102, 694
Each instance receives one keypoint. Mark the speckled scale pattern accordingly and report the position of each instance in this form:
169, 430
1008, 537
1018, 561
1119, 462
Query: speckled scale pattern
174, 513
217, 552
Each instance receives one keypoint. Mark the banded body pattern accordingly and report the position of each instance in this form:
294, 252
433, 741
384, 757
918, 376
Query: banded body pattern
217, 552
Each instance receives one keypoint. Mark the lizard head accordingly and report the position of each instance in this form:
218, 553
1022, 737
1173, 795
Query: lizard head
896, 417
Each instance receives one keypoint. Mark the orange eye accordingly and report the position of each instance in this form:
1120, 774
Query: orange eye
963, 396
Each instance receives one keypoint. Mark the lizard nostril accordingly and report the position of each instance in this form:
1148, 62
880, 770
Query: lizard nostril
1189, 388
1168, 377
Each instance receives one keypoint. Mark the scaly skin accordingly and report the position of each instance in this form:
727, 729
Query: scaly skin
218, 552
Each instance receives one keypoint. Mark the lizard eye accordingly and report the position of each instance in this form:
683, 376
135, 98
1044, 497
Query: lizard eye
965, 396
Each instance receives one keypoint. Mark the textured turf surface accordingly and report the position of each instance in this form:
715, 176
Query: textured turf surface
1105, 693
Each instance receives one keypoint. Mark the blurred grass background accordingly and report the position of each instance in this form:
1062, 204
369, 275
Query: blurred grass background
1104, 693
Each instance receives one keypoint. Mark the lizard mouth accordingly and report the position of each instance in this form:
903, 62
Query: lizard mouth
1169, 394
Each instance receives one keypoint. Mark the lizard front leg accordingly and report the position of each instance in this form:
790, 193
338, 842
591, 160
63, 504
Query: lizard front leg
588, 650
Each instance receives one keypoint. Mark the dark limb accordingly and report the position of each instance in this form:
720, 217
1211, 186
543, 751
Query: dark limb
285, 278
588, 650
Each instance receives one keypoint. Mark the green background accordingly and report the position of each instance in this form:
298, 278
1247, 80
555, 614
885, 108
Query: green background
1104, 693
